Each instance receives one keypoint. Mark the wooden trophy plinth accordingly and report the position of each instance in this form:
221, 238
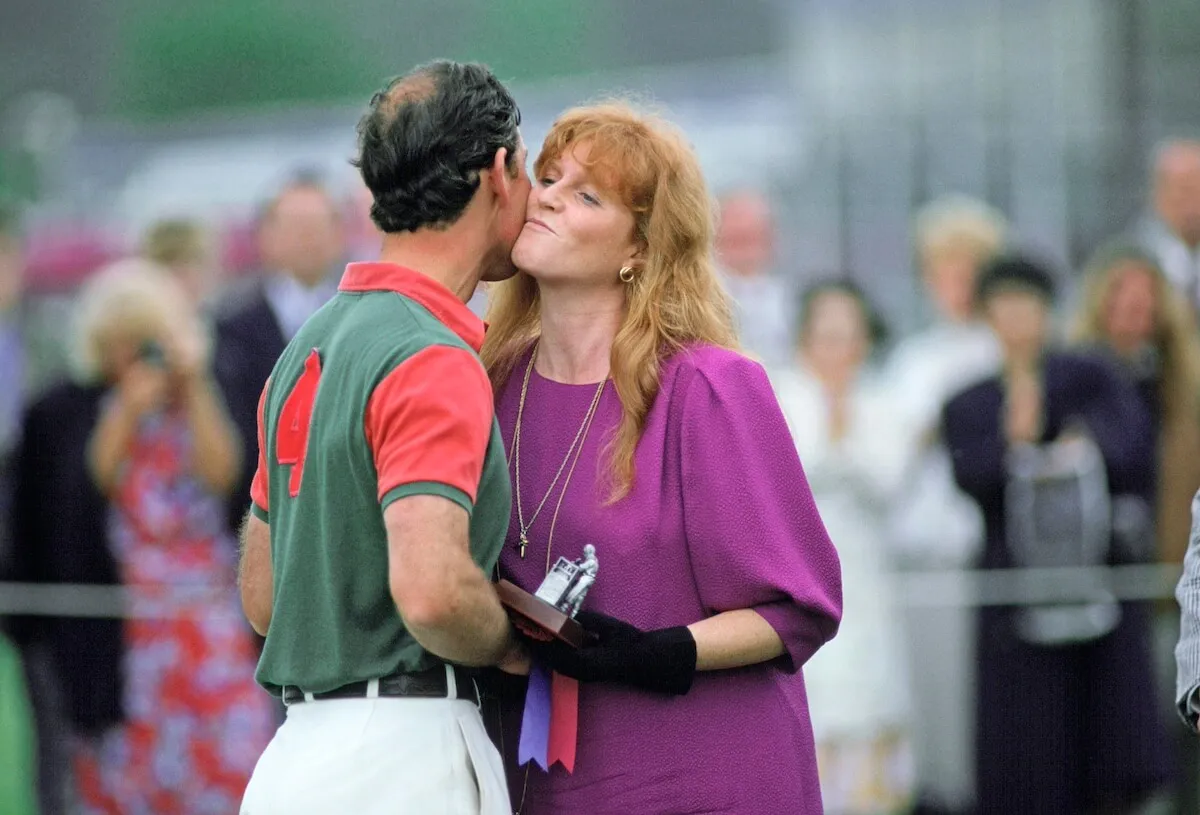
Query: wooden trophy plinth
537, 618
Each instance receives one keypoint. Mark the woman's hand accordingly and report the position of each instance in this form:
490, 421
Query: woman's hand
142, 388
186, 355
517, 661
663, 661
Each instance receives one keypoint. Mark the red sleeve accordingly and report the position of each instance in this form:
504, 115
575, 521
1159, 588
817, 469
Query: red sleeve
428, 423
258, 487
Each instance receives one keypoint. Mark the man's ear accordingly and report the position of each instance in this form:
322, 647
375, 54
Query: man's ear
502, 182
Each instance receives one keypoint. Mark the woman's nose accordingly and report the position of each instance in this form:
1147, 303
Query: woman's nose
547, 197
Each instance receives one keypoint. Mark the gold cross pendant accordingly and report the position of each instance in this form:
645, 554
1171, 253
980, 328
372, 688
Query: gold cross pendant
524, 542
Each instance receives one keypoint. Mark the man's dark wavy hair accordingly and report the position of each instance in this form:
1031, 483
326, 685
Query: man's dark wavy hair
425, 139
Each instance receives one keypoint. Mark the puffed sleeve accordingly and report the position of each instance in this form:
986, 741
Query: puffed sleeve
754, 536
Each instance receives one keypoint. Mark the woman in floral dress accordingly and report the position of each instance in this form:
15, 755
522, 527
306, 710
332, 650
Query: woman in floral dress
163, 451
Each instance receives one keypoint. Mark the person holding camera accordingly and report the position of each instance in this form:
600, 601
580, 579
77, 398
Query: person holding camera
1058, 453
164, 454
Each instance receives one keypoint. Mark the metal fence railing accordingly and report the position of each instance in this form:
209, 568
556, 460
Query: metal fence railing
942, 588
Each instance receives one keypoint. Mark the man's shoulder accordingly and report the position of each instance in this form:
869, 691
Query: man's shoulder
387, 313
371, 334
241, 302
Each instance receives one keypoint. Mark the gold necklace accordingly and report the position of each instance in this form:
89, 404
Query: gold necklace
515, 455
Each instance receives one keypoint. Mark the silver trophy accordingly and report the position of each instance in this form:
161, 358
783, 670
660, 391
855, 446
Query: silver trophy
550, 612
568, 582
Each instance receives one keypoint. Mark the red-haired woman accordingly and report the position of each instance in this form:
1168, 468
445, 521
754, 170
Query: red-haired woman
636, 426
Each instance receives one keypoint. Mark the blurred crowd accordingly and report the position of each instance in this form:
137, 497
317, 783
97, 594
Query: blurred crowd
130, 466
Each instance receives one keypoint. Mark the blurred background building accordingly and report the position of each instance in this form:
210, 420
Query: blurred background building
850, 113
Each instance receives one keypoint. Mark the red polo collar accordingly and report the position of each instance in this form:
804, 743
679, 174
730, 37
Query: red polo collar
440, 301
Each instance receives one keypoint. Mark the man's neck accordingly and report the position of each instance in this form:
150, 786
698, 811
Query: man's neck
578, 328
448, 257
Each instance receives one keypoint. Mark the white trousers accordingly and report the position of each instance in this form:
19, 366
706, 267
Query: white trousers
373, 756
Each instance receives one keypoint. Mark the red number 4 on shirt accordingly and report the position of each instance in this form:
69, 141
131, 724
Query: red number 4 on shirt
291, 434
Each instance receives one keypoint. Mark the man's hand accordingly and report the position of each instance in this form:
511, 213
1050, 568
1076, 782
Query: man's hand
517, 661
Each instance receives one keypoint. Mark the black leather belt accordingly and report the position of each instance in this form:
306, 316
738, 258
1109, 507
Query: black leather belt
430, 684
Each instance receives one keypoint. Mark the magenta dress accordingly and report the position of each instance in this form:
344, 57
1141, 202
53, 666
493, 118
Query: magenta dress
720, 518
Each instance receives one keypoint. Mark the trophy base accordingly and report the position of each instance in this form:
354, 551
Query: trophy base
537, 618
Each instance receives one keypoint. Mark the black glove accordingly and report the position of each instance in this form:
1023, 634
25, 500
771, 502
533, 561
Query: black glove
663, 661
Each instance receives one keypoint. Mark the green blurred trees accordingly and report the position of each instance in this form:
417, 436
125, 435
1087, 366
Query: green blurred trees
175, 59
179, 58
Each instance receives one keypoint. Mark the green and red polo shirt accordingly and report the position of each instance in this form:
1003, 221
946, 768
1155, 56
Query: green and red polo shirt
381, 395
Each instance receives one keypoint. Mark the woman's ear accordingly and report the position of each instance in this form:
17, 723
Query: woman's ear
637, 259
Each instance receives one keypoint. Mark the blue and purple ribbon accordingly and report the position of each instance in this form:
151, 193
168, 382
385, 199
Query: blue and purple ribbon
550, 723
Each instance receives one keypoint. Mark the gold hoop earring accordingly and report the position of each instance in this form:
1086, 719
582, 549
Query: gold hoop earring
626, 274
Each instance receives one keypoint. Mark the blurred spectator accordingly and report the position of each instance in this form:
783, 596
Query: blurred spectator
17, 751
1172, 231
12, 359
933, 524
1187, 654
363, 238
954, 236
12, 352
1068, 717
854, 454
301, 244
1131, 313
188, 251
18, 787
73, 664
745, 245
165, 455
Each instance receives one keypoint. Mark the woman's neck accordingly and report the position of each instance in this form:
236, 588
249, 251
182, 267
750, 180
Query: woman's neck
1125, 347
1023, 362
578, 329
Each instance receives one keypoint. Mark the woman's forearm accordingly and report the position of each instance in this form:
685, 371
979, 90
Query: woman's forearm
109, 445
733, 639
216, 449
